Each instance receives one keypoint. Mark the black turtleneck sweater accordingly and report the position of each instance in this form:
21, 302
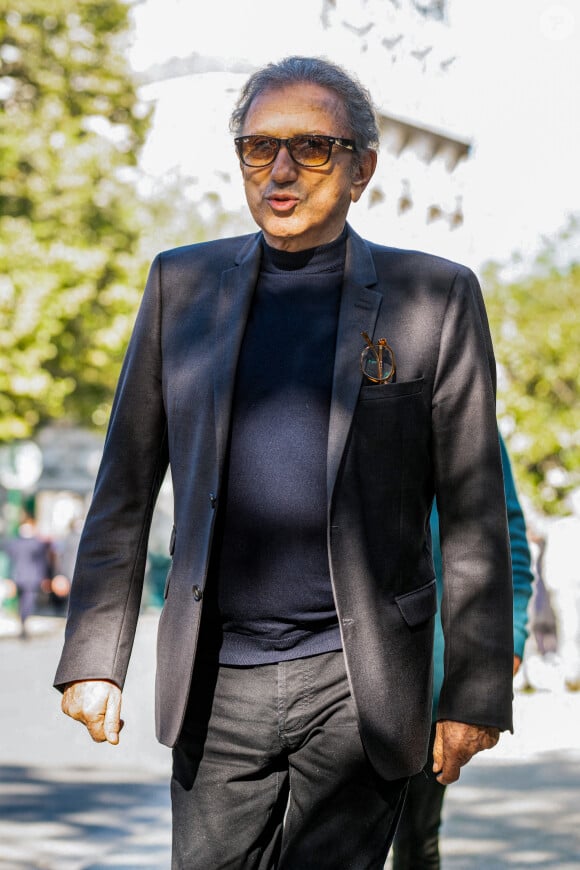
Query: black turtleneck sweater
270, 576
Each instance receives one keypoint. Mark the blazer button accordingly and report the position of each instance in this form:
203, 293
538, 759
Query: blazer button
197, 593
213, 500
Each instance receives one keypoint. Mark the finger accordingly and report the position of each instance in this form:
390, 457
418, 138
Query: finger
65, 703
447, 778
450, 772
96, 730
112, 721
87, 707
438, 749
71, 704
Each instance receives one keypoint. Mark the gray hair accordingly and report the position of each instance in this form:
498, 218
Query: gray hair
355, 98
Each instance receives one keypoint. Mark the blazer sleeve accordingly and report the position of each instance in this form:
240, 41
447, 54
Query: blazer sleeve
108, 579
477, 602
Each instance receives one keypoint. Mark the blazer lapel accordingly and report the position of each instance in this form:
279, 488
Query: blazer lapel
235, 298
359, 309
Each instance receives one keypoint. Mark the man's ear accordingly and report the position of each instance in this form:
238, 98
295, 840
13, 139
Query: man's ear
363, 171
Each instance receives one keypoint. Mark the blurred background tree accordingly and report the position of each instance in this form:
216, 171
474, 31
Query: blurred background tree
76, 235
535, 323
71, 126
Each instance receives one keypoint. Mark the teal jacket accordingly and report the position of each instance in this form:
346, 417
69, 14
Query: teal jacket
521, 570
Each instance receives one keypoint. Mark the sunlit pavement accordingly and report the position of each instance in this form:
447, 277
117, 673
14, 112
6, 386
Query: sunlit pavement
518, 805
69, 804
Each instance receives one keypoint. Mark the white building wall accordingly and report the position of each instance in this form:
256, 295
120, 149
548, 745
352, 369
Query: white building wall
408, 61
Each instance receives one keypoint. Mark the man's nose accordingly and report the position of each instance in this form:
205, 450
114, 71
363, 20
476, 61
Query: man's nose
283, 167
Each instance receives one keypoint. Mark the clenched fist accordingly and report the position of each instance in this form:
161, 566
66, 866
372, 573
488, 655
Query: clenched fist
455, 744
97, 704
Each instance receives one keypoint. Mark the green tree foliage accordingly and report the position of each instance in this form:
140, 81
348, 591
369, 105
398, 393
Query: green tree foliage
71, 126
535, 322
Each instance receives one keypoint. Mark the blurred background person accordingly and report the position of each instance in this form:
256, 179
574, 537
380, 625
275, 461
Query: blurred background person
543, 633
540, 667
562, 579
65, 558
31, 565
416, 843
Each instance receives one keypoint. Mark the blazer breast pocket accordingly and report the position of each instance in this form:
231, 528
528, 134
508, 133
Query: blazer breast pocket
389, 438
373, 392
419, 605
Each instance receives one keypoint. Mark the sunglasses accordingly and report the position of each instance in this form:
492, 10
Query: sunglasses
307, 150
377, 361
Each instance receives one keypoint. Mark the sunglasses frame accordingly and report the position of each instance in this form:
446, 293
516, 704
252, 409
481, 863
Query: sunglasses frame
330, 141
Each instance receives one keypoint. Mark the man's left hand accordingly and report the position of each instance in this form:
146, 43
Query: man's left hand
455, 744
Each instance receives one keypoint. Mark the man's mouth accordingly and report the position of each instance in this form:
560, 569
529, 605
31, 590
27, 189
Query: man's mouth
282, 202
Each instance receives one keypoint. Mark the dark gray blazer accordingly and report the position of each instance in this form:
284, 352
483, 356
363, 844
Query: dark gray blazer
390, 448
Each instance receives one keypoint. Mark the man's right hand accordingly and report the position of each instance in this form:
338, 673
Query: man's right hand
97, 704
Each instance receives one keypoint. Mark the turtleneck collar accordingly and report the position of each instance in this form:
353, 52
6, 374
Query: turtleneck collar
322, 258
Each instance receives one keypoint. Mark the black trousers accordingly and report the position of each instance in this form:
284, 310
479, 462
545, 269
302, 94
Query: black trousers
416, 843
269, 772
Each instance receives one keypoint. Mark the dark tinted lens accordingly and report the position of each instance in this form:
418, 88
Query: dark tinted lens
310, 150
258, 150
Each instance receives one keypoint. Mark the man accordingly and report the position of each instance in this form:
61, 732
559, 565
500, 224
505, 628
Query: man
311, 392
416, 843
31, 559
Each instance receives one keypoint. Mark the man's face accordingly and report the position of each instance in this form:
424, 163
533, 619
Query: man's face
298, 207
